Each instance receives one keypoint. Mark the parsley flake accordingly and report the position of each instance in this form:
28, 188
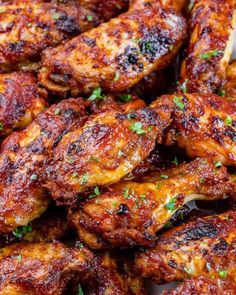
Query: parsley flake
210, 54
33, 177
125, 97
89, 18
95, 194
96, 94
175, 161
22, 230
84, 178
80, 290
1, 126
74, 174
137, 127
57, 111
19, 258
171, 205
228, 121
164, 176
117, 77
221, 92
95, 159
218, 164
56, 15
223, 274
178, 100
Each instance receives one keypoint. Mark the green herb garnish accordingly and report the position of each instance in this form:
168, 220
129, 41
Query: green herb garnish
137, 127
96, 94
178, 100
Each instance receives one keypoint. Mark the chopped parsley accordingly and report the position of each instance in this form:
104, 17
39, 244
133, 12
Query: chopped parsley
210, 54
171, 205
223, 274
164, 176
74, 174
137, 127
218, 164
1, 126
117, 77
95, 194
89, 18
57, 111
221, 92
19, 258
22, 230
178, 100
143, 198
56, 15
95, 159
80, 291
175, 161
84, 178
33, 177
150, 128
125, 97
183, 86
202, 180
96, 94
228, 121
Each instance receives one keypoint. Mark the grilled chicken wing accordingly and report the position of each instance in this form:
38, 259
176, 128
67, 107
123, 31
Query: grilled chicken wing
210, 46
116, 55
21, 100
40, 268
130, 213
111, 274
22, 163
108, 146
204, 247
206, 286
205, 125
28, 27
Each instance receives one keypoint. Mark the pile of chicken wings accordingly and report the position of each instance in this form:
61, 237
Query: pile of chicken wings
118, 147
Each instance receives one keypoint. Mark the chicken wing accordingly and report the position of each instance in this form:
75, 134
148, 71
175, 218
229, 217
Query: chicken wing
204, 247
106, 148
28, 27
178, 5
130, 213
116, 55
21, 100
205, 125
206, 286
22, 163
40, 268
210, 46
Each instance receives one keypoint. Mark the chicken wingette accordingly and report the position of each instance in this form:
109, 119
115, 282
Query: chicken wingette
105, 149
21, 100
210, 46
205, 125
116, 55
206, 286
40, 268
206, 246
28, 27
22, 163
130, 213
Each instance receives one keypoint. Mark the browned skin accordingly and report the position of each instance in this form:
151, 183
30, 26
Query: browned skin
230, 86
130, 213
204, 247
202, 285
40, 268
28, 27
111, 274
178, 5
21, 100
22, 163
205, 125
116, 55
104, 150
211, 28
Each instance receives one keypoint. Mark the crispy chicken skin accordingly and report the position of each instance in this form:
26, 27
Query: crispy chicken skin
28, 27
230, 86
130, 213
22, 163
204, 247
202, 285
210, 46
44, 268
111, 274
108, 146
178, 5
205, 125
21, 100
116, 55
